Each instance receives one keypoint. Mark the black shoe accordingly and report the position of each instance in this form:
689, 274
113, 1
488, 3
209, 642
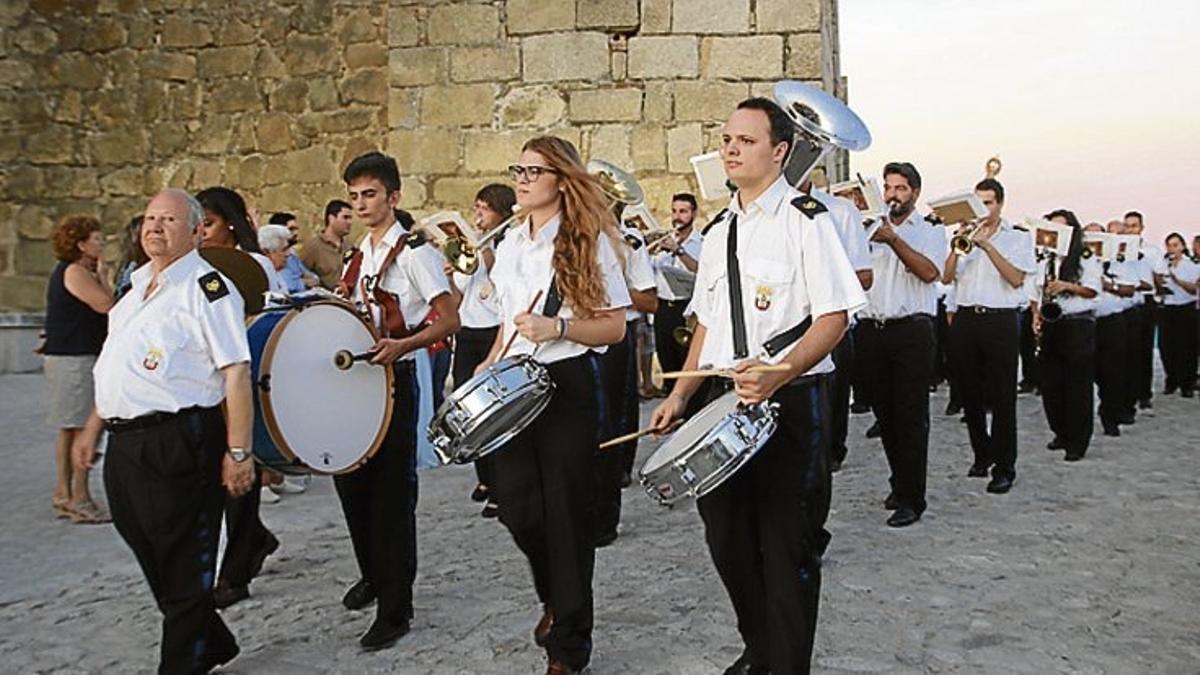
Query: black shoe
1126, 419
1112, 430
225, 596
978, 471
874, 431
835, 465
903, 517
605, 539
1145, 404
269, 546
1073, 456
999, 485
891, 503
626, 480
1187, 393
743, 667
859, 408
1056, 444
480, 493
953, 408
490, 510
383, 634
215, 659
360, 595
1026, 388
1169, 390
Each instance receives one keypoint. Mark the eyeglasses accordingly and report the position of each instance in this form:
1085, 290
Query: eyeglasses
528, 173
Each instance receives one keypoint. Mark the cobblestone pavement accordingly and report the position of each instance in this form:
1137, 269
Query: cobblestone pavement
1084, 568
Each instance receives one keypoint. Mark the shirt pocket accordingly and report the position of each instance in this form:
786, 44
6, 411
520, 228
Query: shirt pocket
769, 285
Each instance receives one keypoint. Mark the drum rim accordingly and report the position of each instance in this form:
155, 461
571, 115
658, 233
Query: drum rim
268, 355
699, 441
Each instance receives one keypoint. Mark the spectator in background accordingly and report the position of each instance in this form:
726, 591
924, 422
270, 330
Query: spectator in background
289, 221
228, 224
276, 243
77, 301
132, 255
323, 253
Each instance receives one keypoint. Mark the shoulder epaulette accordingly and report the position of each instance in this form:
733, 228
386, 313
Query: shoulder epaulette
1141, 255
1196, 259
716, 219
416, 240
348, 255
213, 286
934, 219
633, 240
809, 206
1020, 228
1087, 253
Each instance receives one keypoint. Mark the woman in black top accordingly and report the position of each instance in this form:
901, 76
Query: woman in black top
77, 300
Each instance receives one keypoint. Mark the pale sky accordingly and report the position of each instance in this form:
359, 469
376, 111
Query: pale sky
1091, 105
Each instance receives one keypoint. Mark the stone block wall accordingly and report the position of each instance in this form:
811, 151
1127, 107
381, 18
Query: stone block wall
103, 102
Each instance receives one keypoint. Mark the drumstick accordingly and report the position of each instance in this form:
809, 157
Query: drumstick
344, 358
512, 338
636, 434
726, 372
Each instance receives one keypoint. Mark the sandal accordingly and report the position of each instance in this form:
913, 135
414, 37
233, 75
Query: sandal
88, 513
61, 507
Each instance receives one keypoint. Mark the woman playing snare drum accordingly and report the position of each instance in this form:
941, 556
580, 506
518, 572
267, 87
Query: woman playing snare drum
544, 474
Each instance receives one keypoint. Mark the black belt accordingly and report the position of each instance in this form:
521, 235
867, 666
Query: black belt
674, 303
980, 309
1087, 315
881, 323
117, 425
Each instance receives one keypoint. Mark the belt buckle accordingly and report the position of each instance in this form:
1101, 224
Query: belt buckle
979, 309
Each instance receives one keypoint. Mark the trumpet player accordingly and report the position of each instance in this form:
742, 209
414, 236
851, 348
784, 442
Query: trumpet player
986, 334
1151, 266
1177, 334
1065, 325
680, 251
907, 258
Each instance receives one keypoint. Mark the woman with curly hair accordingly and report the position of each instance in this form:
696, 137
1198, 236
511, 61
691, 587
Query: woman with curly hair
565, 251
78, 298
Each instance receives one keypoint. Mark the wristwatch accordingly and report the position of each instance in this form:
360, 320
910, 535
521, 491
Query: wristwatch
239, 455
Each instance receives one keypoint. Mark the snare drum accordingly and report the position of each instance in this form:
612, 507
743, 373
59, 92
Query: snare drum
489, 409
708, 449
309, 415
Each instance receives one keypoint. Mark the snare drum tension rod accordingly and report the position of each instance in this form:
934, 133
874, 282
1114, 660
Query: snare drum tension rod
343, 359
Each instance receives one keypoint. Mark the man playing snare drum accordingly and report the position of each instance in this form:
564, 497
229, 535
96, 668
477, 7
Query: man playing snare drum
765, 524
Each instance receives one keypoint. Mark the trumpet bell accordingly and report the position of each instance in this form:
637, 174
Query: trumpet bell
616, 183
461, 255
822, 116
961, 244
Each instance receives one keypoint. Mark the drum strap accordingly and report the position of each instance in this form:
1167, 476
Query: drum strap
740, 348
350, 276
553, 299
787, 337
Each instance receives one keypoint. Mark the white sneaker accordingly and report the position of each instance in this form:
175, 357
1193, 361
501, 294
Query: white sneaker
268, 497
290, 486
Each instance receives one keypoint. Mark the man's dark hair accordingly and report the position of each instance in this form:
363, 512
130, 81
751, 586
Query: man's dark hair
1135, 214
905, 169
782, 128
281, 218
685, 197
991, 185
499, 198
405, 218
335, 207
375, 165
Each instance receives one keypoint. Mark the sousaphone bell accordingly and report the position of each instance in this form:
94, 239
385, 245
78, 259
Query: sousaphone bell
823, 123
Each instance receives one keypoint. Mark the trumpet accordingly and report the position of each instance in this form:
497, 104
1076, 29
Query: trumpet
656, 239
963, 242
463, 256
683, 334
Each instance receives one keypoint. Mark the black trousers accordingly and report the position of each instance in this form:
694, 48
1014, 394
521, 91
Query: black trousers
986, 346
471, 347
164, 490
1029, 362
765, 528
547, 485
951, 364
860, 379
1148, 311
1177, 345
245, 534
1112, 373
941, 334
1068, 352
902, 354
667, 318
379, 500
1133, 344
618, 409
839, 394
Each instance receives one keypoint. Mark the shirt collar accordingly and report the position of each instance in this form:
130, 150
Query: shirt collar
545, 235
768, 202
174, 272
389, 238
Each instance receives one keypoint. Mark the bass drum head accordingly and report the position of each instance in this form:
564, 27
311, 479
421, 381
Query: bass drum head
691, 433
331, 420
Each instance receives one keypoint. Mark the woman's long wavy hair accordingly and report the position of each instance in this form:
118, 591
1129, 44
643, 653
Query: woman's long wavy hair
585, 215
1068, 268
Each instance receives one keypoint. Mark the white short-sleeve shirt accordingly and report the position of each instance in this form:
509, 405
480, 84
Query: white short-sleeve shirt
692, 245
1121, 274
896, 292
524, 268
790, 266
849, 223
1188, 271
478, 308
979, 282
416, 276
1090, 273
637, 268
164, 353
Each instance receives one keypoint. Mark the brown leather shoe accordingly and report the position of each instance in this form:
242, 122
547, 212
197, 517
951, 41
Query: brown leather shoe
557, 667
541, 632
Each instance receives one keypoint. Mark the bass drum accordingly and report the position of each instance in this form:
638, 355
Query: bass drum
310, 415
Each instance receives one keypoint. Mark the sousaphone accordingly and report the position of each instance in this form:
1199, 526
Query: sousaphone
823, 123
